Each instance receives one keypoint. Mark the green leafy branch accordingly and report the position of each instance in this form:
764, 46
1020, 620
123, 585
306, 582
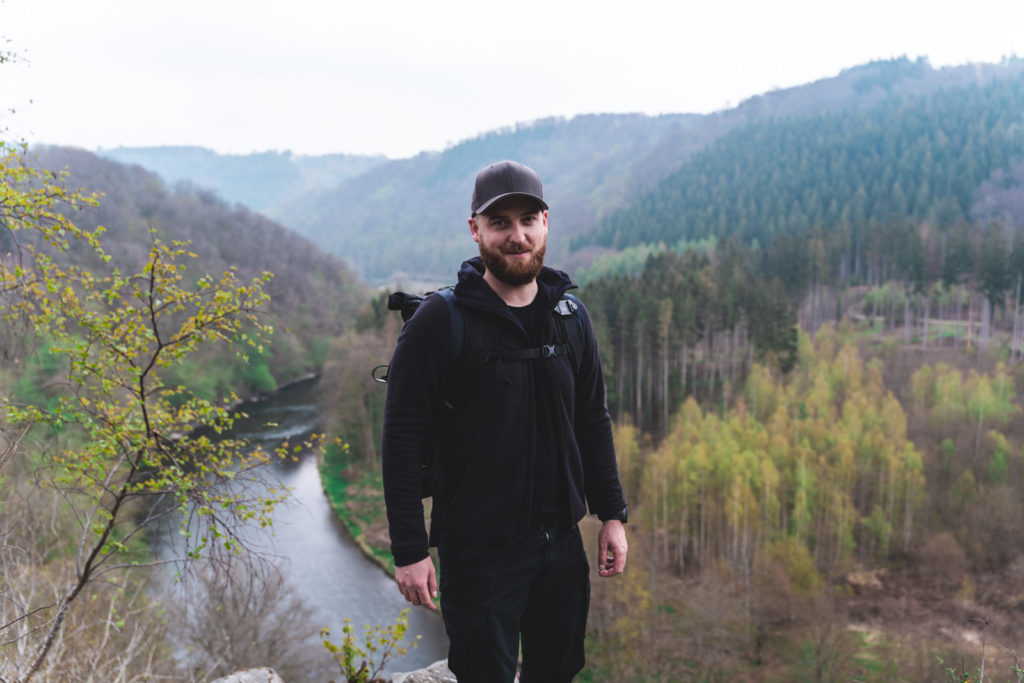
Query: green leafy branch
363, 663
120, 438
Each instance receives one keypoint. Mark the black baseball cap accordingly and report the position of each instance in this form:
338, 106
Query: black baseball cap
505, 179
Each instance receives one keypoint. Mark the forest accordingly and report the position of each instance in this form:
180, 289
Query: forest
815, 381
826, 507
921, 158
313, 296
810, 324
795, 148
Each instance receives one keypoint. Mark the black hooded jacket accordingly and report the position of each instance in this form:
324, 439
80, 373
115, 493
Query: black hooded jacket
478, 416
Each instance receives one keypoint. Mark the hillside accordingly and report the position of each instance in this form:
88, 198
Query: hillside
314, 296
259, 181
933, 143
923, 156
408, 216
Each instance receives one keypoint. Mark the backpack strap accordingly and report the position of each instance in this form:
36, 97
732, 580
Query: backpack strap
407, 304
571, 307
567, 307
572, 336
456, 318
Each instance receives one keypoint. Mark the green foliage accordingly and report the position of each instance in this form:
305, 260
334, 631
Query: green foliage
40, 370
998, 465
798, 564
954, 674
631, 260
878, 531
823, 469
120, 436
951, 398
356, 493
362, 662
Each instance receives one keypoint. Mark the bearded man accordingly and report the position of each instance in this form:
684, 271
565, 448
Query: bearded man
510, 424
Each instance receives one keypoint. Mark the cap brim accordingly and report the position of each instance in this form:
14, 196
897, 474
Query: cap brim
483, 207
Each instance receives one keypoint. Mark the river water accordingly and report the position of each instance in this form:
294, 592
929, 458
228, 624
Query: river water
315, 554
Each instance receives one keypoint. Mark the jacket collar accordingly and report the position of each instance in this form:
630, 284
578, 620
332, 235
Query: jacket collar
472, 290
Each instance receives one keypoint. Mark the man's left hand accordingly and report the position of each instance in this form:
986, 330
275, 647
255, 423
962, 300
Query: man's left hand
612, 548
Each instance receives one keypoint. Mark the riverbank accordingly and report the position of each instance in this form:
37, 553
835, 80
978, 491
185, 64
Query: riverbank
261, 396
356, 494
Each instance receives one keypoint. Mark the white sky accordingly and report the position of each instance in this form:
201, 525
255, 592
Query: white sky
402, 76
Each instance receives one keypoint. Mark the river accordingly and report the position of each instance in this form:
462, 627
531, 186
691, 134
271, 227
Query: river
315, 554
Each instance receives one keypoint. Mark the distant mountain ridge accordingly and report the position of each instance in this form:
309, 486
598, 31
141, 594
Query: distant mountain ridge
405, 220
259, 181
407, 217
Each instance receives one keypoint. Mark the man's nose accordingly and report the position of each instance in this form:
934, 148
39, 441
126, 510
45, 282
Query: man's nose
519, 233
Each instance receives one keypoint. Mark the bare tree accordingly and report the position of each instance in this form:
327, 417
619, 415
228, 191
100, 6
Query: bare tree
231, 617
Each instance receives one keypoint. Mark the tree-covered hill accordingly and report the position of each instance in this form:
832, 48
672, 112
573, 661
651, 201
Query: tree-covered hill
260, 181
408, 217
884, 139
936, 155
609, 173
314, 295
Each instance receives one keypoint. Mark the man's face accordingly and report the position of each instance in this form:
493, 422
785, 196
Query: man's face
513, 236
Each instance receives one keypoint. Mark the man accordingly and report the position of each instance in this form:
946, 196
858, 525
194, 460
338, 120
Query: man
513, 422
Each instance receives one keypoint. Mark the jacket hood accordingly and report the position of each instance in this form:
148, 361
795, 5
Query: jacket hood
551, 285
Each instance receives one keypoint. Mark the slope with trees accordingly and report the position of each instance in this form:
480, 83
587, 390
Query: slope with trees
406, 218
103, 445
314, 296
849, 521
921, 158
688, 325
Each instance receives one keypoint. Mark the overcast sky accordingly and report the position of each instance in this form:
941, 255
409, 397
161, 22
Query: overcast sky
400, 77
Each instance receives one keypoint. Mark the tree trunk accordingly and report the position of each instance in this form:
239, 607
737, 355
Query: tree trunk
906, 318
924, 321
1015, 341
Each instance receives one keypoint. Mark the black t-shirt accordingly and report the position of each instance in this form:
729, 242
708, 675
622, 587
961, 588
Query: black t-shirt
550, 500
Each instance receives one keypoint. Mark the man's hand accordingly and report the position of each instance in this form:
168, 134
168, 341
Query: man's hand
418, 583
612, 548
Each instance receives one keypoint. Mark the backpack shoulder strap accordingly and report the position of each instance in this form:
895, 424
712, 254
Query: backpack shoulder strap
456, 318
567, 307
571, 307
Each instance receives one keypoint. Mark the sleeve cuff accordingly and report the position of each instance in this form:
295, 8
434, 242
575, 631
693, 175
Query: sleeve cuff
619, 515
403, 559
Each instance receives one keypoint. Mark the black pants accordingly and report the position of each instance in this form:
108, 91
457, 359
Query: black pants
537, 586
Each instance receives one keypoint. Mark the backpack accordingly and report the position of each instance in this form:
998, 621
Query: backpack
567, 307
572, 345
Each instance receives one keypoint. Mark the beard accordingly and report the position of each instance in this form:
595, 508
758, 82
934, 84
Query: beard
513, 272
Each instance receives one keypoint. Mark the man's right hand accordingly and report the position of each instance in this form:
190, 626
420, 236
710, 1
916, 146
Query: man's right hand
418, 583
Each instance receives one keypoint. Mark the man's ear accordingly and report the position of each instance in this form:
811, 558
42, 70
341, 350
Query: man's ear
474, 229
